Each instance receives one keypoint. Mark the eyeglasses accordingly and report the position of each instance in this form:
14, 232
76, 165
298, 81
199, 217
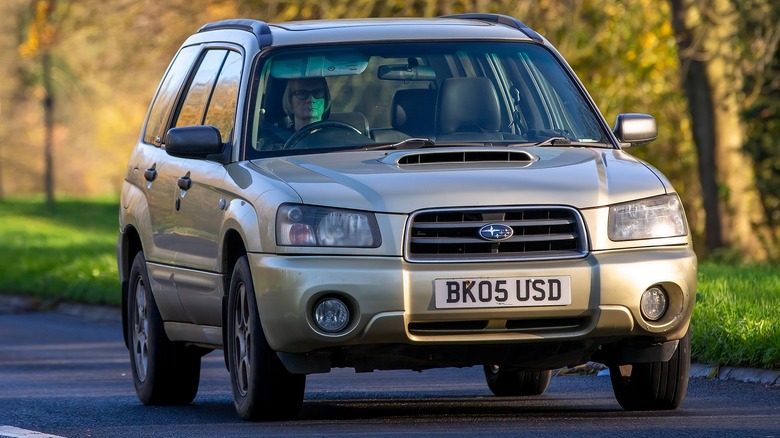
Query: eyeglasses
304, 94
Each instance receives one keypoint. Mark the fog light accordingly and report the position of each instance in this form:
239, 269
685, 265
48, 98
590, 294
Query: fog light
654, 303
331, 315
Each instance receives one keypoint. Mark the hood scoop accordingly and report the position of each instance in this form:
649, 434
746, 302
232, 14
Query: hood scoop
460, 156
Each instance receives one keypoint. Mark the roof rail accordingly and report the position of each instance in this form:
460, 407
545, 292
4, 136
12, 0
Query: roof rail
500, 19
260, 29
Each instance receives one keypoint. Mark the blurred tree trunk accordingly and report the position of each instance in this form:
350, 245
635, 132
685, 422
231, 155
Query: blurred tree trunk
708, 39
48, 117
41, 38
2, 139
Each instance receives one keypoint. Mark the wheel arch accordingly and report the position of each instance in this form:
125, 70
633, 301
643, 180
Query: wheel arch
128, 246
233, 248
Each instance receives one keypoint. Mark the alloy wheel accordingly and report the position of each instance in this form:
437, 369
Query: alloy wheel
140, 331
242, 341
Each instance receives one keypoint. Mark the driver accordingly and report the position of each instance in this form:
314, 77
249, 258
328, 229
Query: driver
305, 101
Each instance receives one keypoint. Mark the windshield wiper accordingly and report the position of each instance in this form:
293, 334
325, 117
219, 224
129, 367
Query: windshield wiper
554, 141
563, 141
409, 143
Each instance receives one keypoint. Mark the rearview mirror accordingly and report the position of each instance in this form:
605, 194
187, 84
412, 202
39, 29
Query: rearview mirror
403, 72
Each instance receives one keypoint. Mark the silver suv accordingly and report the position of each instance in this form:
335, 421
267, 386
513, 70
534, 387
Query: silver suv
395, 194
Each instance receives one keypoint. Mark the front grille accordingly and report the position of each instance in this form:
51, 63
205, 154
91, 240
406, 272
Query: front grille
539, 233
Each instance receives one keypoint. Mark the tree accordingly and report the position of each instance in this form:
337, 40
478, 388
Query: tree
118, 52
761, 64
2, 138
708, 41
40, 42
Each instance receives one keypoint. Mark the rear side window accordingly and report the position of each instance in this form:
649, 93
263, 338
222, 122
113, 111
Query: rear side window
213, 92
160, 110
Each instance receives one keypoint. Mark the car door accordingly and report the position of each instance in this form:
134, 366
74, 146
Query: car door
153, 170
199, 200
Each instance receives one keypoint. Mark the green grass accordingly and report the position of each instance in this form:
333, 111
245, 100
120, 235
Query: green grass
737, 316
69, 254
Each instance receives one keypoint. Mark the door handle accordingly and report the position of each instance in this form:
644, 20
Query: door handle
184, 183
150, 174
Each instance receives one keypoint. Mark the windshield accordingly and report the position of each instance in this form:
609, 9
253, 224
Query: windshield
315, 100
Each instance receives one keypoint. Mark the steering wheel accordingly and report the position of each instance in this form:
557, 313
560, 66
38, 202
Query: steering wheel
317, 127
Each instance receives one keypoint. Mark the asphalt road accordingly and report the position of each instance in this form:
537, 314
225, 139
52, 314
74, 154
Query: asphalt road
69, 376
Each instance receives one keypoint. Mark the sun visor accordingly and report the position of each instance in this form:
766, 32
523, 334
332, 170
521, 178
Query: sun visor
320, 64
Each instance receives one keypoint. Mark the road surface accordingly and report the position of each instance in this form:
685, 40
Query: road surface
68, 376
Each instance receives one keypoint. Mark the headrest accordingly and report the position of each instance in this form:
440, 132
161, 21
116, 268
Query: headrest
468, 105
274, 111
413, 110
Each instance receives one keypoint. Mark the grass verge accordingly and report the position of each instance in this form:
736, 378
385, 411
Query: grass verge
736, 320
69, 254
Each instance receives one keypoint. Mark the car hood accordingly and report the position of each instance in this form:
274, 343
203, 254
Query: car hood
405, 181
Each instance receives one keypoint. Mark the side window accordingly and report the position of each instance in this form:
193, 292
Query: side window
221, 112
193, 108
166, 95
213, 92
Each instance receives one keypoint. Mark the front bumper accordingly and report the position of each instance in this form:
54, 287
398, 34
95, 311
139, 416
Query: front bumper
392, 300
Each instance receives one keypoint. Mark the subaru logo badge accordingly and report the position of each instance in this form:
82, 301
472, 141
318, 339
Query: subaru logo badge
496, 232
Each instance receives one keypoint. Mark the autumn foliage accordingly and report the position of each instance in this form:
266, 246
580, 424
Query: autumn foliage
105, 58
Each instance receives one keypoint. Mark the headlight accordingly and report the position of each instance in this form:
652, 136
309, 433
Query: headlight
652, 218
304, 225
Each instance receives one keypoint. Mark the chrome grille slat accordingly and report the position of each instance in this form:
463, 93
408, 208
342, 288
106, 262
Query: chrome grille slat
547, 255
540, 233
527, 223
451, 240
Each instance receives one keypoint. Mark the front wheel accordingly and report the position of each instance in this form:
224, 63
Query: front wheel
164, 372
263, 389
653, 385
504, 381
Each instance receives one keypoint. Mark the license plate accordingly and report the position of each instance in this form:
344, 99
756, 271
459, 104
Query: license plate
458, 293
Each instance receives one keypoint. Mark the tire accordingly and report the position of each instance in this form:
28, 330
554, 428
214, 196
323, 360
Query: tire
164, 372
263, 389
511, 382
654, 385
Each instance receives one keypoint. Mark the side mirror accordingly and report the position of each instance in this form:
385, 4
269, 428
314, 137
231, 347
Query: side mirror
635, 129
200, 141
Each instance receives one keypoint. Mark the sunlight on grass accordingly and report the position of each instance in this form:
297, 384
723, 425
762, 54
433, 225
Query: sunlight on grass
64, 254
736, 320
